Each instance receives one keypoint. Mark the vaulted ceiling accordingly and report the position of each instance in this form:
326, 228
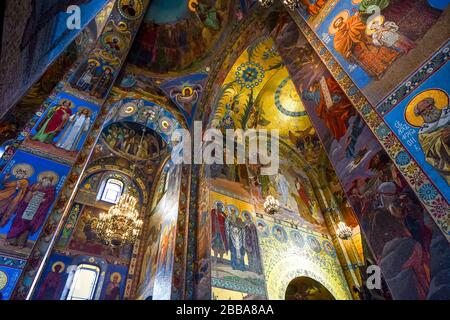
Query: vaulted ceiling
178, 35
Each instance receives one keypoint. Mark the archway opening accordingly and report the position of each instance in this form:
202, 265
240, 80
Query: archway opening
305, 288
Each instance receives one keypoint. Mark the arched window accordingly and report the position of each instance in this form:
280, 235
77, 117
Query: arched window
84, 282
111, 191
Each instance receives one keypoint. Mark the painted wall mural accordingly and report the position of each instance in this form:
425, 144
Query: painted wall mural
85, 239
79, 244
120, 28
62, 129
389, 213
378, 48
28, 190
185, 92
158, 261
248, 76
10, 270
419, 114
235, 250
164, 44
259, 93
60, 272
294, 191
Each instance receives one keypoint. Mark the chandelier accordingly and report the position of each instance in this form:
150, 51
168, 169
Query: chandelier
291, 4
343, 231
121, 223
271, 205
266, 3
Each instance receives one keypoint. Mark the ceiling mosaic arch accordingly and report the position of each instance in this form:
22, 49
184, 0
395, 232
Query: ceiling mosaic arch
291, 266
176, 35
259, 93
145, 113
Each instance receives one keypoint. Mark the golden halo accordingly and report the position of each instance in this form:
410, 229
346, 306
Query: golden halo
344, 14
440, 99
187, 91
190, 5
122, 26
369, 29
108, 67
119, 276
59, 263
94, 61
128, 109
50, 174
164, 124
23, 167
62, 101
80, 109
3, 279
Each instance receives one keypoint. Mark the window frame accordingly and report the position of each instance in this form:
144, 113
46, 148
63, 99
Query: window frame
73, 286
105, 189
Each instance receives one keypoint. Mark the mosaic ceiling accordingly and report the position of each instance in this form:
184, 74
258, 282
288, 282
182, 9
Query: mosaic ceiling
176, 35
259, 93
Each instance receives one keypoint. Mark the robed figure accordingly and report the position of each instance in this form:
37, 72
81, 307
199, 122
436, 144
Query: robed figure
434, 135
112, 291
219, 238
252, 245
236, 235
282, 186
404, 260
352, 43
102, 83
13, 191
54, 122
85, 76
333, 107
49, 289
79, 123
32, 210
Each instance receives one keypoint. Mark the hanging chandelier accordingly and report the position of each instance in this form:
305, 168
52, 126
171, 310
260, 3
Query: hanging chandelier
271, 205
290, 4
265, 3
343, 231
121, 223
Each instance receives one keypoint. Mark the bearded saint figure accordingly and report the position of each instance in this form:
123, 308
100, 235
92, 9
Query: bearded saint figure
434, 135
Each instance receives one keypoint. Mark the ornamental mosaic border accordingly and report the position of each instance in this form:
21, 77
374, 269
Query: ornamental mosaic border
291, 225
279, 105
192, 232
236, 286
12, 262
179, 258
437, 206
420, 75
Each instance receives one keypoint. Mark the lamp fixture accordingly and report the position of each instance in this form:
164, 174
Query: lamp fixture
291, 4
271, 205
266, 3
343, 231
122, 222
